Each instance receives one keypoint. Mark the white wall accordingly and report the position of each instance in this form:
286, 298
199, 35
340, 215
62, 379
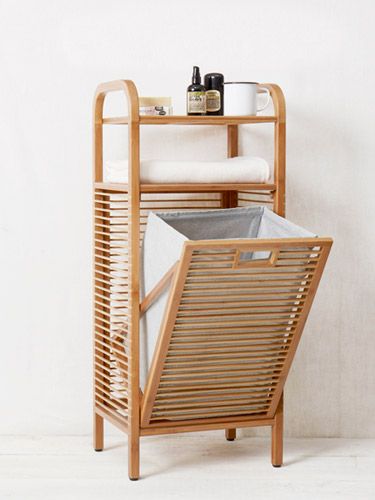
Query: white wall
53, 54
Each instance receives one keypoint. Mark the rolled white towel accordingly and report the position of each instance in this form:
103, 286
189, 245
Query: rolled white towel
242, 169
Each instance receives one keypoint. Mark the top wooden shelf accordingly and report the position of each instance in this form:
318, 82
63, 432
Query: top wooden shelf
191, 120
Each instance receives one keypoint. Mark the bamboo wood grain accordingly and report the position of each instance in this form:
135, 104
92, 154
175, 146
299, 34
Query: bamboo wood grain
163, 340
227, 385
129, 89
279, 146
326, 247
202, 425
229, 333
98, 420
230, 434
190, 120
134, 236
270, 357
229, 198
186, 187
98, 431
157, 290
231, 411
112, 418
277, 434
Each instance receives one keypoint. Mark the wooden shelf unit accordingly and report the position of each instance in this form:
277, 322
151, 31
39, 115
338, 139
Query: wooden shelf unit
119, 218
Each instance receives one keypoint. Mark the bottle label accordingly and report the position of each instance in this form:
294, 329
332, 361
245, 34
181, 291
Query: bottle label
196, 102
213, 100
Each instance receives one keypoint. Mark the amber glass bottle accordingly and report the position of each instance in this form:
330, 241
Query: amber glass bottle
196, 95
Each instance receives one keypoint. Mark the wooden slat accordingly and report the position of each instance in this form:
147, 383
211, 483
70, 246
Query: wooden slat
204, 425
111, 288
227, 342
157, 290
115, 419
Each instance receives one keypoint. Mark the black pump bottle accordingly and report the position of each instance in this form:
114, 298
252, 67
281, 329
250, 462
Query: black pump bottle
196, 95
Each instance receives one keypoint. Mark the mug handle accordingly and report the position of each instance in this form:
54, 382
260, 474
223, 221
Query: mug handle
266, 91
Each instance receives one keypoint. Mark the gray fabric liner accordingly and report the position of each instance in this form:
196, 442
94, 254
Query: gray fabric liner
216, 224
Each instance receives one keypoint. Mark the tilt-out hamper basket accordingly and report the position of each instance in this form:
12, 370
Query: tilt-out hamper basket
226, 296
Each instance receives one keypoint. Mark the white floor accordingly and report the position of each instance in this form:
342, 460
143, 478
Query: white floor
188, 466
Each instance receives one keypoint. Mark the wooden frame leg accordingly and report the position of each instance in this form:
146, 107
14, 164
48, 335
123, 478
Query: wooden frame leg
98, 432
277, 434
230, 434
133, 457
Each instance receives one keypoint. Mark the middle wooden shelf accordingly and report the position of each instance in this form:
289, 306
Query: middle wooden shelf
188, 187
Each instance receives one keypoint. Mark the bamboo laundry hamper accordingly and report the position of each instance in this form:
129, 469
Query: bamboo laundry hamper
231, 309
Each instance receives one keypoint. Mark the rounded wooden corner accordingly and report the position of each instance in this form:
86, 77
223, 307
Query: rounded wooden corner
130, 91
278, 100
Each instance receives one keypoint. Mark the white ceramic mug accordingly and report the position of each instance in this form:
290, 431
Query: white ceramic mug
240, 98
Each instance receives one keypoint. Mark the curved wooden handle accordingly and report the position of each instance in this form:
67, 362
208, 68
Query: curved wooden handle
131, 94
130, 91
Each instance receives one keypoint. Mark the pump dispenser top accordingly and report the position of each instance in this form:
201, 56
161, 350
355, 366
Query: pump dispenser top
196, 95
196, 75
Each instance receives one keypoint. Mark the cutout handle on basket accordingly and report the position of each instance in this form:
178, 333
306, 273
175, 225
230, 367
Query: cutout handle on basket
258, 258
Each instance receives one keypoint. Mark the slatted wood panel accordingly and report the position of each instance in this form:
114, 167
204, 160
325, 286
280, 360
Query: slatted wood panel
264, 197
111, 296
231, 331
112, 286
